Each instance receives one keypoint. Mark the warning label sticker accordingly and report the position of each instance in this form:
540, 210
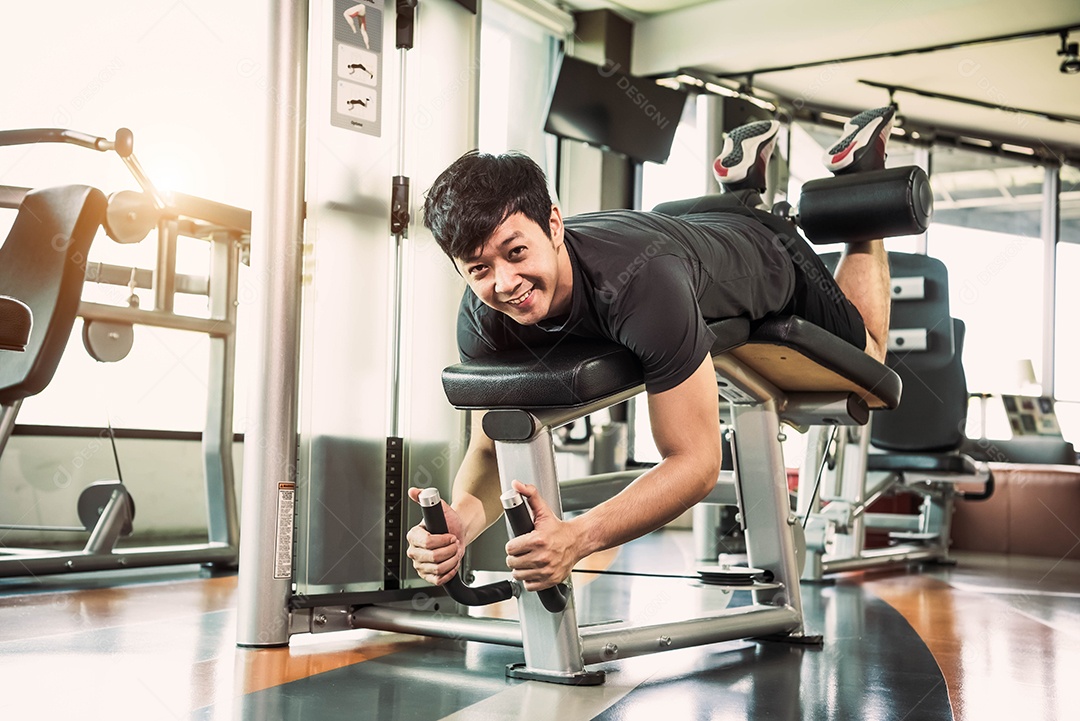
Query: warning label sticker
284, 544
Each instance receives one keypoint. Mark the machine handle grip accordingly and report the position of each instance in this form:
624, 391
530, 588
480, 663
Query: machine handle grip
517, 513
984, 495
27, 136
435, 521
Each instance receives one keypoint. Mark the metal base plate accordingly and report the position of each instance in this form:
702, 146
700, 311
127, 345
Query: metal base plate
581, 678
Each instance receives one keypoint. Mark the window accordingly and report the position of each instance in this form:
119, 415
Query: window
987, 231
686, 174
512, 112
1067, 305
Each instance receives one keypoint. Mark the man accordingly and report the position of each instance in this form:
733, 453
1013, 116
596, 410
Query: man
649, 281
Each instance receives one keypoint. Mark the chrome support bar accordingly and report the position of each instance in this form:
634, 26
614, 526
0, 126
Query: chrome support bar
609, 644
215, 328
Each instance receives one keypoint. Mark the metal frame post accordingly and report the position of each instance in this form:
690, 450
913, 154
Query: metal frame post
270, 451
553, 649
762, 475
223, 523
1051, 228
7, 421
808, 504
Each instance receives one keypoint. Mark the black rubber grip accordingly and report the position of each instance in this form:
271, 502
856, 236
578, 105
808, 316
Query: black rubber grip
554, 598
435, 522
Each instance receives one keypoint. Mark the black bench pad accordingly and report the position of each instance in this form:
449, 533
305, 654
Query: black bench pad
951, 463
571, 374
798, 356
564, 376
575, 373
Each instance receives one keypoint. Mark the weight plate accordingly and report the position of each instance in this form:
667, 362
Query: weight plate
730, 575
107, 342
95, 497
129, 216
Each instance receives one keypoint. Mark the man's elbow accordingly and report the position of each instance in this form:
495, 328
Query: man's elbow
708, 475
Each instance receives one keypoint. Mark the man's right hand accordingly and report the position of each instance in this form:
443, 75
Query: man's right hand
436, 558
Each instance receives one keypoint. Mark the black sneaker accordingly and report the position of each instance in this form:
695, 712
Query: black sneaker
862, 147
744, 159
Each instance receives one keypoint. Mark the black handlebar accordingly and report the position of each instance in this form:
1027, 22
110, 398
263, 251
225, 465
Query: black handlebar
554, 599
435, 521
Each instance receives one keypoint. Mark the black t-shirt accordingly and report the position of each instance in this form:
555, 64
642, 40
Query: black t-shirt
649, 282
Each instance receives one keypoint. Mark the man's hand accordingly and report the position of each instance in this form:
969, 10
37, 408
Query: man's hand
543, 558
436, 558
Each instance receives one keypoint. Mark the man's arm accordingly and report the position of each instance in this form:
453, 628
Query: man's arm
476, 485
475, 506
686, 427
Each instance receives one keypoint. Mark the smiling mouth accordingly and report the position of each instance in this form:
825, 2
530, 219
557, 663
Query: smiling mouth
520, 299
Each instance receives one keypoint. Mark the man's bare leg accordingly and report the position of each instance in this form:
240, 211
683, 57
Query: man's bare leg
863, 276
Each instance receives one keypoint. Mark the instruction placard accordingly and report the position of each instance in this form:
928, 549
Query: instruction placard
356, 96
283, 546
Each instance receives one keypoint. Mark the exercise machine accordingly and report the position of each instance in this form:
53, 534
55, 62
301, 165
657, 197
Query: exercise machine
911, 453
44, 265
324, 518
787, 371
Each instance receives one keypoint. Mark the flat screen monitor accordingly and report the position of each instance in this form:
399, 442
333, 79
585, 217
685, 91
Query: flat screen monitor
615, 111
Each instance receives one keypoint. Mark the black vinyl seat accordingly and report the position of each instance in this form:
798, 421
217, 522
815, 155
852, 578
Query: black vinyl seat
932, 416
797, 356
923, 436
944, 463
791, 353
43, 264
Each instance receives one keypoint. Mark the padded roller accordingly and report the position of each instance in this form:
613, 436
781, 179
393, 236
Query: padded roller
866, 206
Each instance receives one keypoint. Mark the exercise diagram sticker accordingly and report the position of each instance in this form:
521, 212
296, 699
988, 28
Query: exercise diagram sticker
357, 76
284, 543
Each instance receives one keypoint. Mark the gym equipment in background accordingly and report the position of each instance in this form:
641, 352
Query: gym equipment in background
911, 452
44, 264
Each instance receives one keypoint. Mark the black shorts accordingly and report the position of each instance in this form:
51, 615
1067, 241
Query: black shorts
816, 296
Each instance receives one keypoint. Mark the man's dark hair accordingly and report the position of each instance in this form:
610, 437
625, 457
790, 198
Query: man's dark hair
472, 197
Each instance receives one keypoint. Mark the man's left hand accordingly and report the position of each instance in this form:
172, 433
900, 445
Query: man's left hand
543, 558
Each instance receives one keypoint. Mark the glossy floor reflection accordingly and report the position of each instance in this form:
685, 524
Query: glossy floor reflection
160, 645
996, 623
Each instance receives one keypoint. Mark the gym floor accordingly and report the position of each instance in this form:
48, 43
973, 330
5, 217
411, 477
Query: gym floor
991, 637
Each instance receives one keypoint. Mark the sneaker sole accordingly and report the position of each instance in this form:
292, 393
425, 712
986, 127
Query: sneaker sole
735, 158
859, 132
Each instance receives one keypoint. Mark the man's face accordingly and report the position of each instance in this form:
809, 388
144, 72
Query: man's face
522, 272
